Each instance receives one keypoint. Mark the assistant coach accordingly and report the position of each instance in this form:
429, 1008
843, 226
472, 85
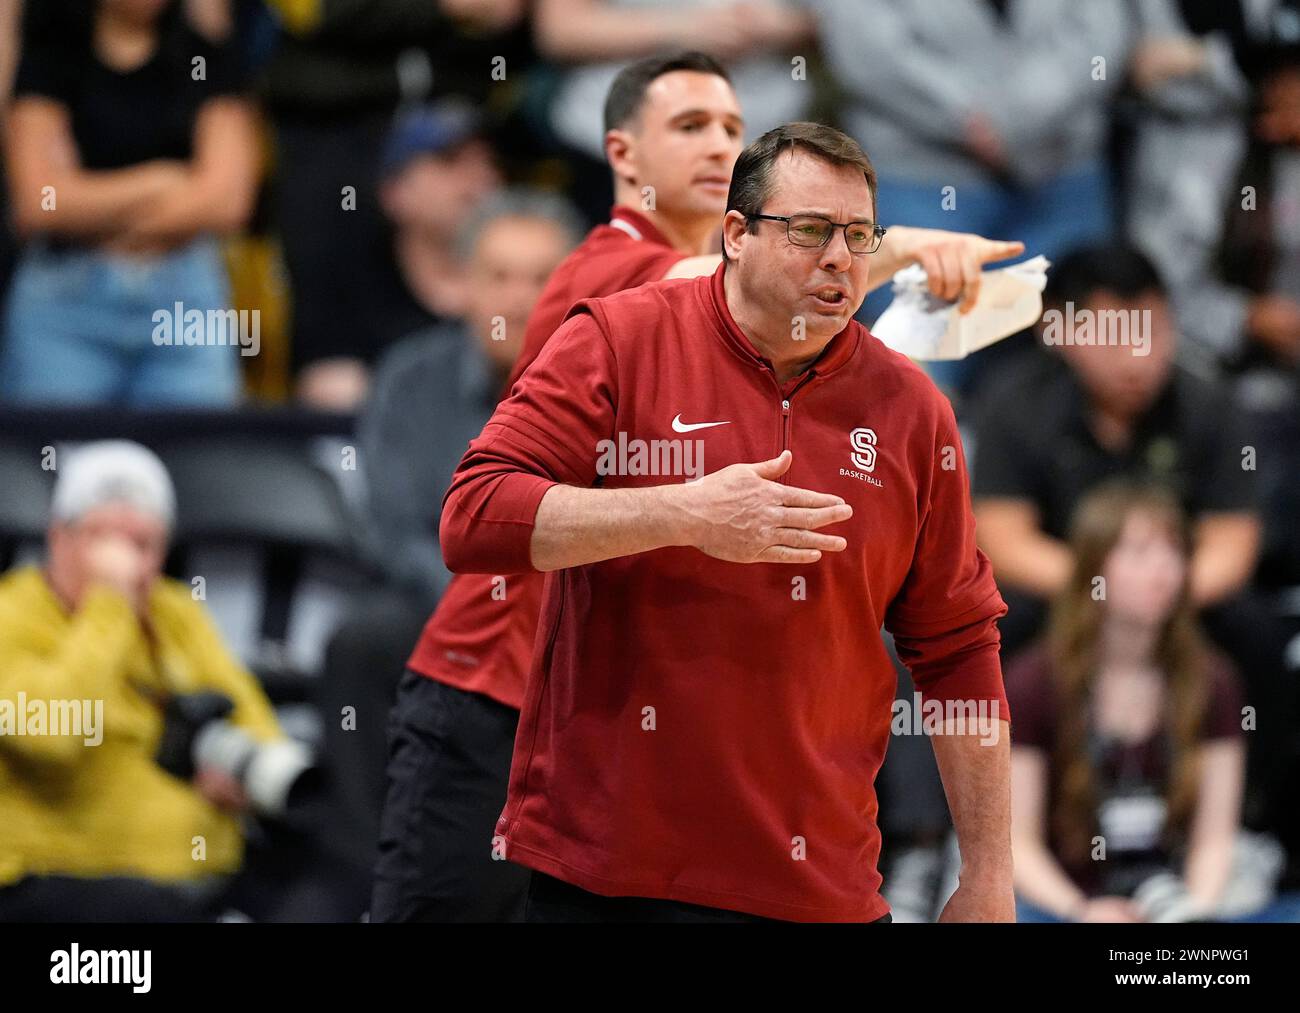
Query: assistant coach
700, 734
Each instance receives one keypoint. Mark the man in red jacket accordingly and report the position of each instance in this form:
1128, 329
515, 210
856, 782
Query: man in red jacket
701, 727
674, 133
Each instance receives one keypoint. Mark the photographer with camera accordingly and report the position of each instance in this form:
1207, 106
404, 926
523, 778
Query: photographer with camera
108, 671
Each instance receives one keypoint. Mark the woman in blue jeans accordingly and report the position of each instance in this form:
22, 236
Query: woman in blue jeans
131, 149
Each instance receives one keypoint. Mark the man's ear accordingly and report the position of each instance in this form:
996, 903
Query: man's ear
734, 228
619, 149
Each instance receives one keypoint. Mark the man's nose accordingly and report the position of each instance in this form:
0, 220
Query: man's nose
721, 143
836, 255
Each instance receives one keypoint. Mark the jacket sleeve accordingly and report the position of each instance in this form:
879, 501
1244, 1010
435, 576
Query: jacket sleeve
944, 618
545, 433
89, 664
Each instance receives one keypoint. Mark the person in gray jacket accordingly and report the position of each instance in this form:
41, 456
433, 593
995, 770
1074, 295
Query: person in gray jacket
435, 389
987, 116
433, 392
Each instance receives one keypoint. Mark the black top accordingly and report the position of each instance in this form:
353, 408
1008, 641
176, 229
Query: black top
354, 60
1032, 441
125, 118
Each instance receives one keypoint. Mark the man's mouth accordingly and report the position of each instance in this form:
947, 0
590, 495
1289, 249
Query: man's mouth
828, 295
716, 182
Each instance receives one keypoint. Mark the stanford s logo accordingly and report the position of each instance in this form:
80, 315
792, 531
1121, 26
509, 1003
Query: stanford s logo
864, 448
863, 456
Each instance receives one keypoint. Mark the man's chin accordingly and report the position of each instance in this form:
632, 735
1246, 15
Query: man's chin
705, 201
820, 329
828, 315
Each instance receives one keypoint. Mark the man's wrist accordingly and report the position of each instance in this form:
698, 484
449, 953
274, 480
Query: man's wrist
675, 519
991, 869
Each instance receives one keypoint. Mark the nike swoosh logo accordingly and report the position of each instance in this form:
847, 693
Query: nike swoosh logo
681, 427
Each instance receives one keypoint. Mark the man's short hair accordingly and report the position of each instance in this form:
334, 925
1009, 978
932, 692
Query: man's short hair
627, 93
751, 179
1110, 267
519, 202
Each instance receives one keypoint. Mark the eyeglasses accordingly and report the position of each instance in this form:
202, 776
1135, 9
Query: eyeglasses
813, 231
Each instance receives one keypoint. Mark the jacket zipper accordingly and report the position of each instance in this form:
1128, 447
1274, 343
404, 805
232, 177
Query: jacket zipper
785, 408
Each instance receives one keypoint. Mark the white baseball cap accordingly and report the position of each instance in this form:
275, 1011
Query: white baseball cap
112, 471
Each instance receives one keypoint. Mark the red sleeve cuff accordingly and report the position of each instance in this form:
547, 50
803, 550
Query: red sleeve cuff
953, 663
976, 677
501, 542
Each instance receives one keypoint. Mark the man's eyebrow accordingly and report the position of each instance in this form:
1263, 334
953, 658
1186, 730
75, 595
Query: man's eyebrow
830, 217
688, 113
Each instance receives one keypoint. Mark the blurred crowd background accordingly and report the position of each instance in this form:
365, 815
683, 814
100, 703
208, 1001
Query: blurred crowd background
384, 181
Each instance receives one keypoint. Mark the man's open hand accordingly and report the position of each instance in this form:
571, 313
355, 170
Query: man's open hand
744, 515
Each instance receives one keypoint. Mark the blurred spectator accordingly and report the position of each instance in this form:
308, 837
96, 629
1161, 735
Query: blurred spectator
1127, 730
1215, 203
1102, 408
340, 60
1262, 243
985, 116
91, 827
341, 72
1114, 403
10, 45
433, 393
1224, 252
596, 38
213, 19
11, 12
131, 147
435, 390
435, 169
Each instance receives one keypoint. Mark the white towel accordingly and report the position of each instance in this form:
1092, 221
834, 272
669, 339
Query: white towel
922, 326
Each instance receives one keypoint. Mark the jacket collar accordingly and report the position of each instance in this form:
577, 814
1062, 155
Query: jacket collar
636, 225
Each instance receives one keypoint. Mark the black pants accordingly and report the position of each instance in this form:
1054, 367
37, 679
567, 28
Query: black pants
448, 770
363, 666
347, 295
553, 901
45, 899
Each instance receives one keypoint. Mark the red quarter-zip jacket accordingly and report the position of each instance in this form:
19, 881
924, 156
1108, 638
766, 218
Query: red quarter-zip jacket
480, 637
707, 731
